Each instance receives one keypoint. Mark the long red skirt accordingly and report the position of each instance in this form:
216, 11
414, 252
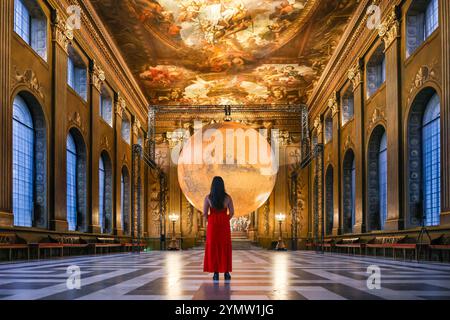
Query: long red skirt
218, 249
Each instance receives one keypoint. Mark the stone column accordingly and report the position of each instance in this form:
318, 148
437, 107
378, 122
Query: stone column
444, 11
333, 103
6, 170
58, 207
356, 76
97, 77
389, 31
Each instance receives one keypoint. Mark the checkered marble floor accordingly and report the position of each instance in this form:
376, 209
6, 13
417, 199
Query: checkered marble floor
258, 275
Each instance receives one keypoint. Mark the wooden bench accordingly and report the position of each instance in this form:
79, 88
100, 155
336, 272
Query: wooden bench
393, 244
328, 245
350, 246
441, 246
128, 246
48, 246
13, 243
72, 244
104, 245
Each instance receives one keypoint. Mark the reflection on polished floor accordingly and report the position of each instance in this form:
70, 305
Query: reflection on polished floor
258, 274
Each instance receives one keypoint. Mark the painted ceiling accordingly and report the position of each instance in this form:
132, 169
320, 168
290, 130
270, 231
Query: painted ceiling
209, 52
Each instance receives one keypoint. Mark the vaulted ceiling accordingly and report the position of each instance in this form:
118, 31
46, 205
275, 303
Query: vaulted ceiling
208, 52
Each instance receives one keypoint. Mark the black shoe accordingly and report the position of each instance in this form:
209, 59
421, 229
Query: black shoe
227, 276
216, 276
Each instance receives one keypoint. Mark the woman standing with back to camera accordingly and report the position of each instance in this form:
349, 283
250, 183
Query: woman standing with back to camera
218, 209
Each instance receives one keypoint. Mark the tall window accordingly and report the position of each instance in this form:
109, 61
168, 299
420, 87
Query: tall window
422, 21
30, 24
353, 219
328, 129
431, 154
329, 200
349, 191
23, 164
376, 71
72, 207
126, 129
347, 106
101, 193
106, 107
77, 74
382, 169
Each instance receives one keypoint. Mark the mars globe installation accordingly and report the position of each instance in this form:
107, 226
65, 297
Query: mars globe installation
237, 153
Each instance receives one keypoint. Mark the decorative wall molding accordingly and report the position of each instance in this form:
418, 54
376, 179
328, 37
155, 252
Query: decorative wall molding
355, 75
29, 78
378, 116
121, 106
423, 75
105, 144
333, 104
389, 29
75, 120
98, 76
348, 144
136, 127
62, 34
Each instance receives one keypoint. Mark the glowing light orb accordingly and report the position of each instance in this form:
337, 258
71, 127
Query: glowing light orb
237, 153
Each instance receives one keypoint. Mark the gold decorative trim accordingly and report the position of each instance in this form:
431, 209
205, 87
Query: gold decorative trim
389, 30
333, 104
98, 76
377, 117
75, 120
105, 144
423, 75
29, 79
355, 75
62, 34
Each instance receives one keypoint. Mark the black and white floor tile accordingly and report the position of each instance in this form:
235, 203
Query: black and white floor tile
257, 275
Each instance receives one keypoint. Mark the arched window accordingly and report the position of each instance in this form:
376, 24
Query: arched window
126, 129
72, 201
424, 159
125, 200
431, 155
349, 191
101, 193
377, 180
76, 194
376, 71
106, 106
30, 24
422, 20
382, 164
329, 200
105, 193
77, 73
347, 106
328, 129
23, 164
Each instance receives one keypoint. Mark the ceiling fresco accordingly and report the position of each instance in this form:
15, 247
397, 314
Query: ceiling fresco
208, 52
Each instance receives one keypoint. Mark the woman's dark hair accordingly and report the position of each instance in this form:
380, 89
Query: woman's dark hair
218, 194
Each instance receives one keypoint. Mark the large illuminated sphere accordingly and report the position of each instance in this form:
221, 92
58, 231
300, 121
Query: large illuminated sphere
249, 179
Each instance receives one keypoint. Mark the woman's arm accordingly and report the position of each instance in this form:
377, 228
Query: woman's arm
206, 208
231, 207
